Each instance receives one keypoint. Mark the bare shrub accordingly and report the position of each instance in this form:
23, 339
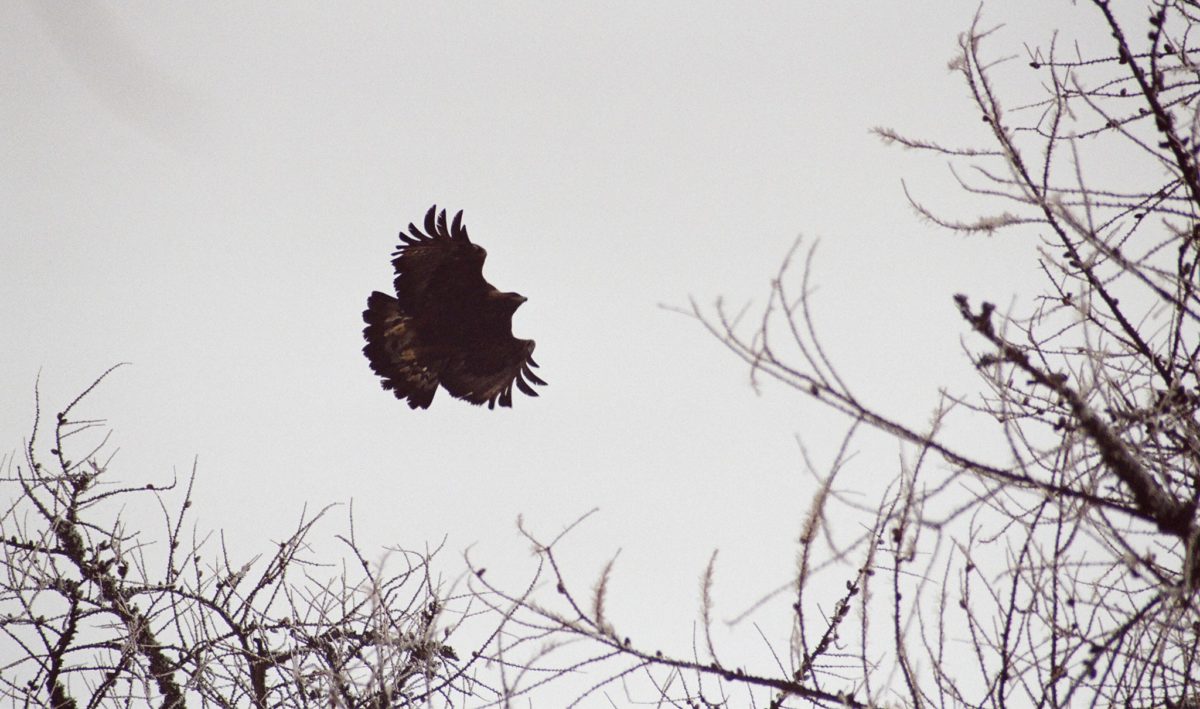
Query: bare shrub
99, 609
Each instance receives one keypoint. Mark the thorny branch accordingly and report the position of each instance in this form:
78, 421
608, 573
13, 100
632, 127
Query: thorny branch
104, 614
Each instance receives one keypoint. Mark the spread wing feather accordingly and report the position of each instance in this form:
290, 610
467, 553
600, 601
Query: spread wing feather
439, 267
488, 375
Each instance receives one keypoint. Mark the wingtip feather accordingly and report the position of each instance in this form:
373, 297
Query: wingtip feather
525, 387
457, 230
441, 225
430, 220
533, 377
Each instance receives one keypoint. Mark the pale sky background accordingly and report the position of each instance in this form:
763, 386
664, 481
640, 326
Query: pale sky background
211, 190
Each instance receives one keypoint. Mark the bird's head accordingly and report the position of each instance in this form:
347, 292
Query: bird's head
508, 302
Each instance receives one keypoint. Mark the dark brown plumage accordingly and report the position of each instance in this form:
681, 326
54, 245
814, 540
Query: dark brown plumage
447, 325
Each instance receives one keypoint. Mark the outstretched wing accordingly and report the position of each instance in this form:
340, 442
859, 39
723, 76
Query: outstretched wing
486, 374
438, 269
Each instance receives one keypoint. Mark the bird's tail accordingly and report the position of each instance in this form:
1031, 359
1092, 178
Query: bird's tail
392, 350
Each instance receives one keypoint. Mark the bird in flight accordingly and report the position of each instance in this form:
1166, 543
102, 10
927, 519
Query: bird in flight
446, 325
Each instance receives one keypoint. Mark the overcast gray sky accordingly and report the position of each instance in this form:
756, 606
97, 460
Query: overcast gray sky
211, 190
